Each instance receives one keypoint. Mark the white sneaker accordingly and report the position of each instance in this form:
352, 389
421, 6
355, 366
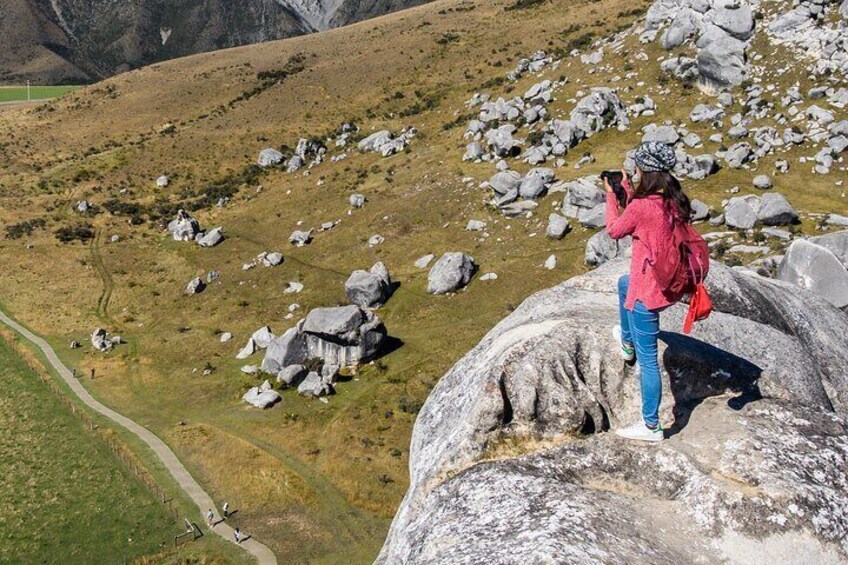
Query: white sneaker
640, 432
625, 350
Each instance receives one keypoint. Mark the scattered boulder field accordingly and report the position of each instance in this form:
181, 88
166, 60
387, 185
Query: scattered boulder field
535, 151
511, 453
769, 364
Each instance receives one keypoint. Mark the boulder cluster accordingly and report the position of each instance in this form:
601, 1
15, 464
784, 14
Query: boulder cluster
533, 64
328, 340
386, 143
492, 133
810, 30
186, 228
265, 258
720, 30
311, 152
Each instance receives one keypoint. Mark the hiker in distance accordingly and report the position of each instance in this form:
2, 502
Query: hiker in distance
670, 260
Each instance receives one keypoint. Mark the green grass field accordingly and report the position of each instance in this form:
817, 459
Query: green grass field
19, 93
63, 496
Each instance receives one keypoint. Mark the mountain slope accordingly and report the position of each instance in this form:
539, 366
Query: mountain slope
322, 480
64, 41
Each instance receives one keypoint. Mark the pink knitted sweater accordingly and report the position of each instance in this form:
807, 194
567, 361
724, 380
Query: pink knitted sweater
645, 220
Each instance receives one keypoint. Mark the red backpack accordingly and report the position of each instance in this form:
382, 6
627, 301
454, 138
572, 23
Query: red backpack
682, 267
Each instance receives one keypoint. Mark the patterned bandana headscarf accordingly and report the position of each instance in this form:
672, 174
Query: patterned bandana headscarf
655, 156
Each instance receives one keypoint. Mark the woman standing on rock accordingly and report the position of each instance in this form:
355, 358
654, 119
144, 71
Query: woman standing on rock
656, 198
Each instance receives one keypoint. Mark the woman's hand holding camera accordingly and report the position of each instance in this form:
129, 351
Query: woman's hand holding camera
608, 187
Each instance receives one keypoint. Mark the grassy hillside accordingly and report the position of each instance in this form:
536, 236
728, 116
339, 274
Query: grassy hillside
314, 481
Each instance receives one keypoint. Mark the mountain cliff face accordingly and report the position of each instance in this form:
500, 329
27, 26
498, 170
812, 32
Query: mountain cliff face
73, 41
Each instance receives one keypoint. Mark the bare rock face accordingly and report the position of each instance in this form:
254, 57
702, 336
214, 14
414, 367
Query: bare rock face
753, 465
816, 268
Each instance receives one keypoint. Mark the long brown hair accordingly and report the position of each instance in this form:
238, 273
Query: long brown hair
667, 186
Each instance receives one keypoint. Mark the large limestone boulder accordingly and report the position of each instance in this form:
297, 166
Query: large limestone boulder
269, 157
736, 19
741, 212
558, 226
100, 340
211, 238
184, 227
369, 289
684, 25
775, 210
505, 181
722, 62
261, 396
284, 350
292, 375
344, 336
263, 337
836, 243
195, 286
754, 402
451, 272
314, 385
602, 248
814, 267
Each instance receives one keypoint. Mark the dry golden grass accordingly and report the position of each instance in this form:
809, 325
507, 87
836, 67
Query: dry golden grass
345, 462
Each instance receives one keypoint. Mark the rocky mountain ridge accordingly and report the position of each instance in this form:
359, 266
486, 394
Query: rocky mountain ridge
72, 42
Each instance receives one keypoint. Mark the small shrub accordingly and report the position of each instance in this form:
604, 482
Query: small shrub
524, 5
448, 37
80, 232
409, 405
493, 83
581, 42
26, 228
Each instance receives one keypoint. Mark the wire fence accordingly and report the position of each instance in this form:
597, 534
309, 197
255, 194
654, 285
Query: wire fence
122, 452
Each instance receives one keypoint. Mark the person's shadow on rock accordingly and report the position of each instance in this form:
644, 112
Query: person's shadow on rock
698, 370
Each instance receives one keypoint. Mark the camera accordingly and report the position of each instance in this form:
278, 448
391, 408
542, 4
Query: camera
615, 178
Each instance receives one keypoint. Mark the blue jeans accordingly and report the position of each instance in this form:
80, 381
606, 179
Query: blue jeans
641, 327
